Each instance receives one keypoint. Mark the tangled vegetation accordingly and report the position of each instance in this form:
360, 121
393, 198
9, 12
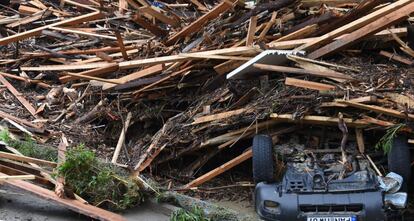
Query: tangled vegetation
195, 214
386, 141
99, 183
28, 147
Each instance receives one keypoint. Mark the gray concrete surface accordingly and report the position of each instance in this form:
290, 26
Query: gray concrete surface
16, 205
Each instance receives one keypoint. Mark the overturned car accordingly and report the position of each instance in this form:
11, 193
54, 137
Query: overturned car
327, 184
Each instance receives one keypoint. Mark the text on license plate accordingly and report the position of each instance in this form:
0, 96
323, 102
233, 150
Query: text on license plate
336, 218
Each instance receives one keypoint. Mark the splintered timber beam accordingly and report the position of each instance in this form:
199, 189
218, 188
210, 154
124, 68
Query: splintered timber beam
74, 205
369, 29
199, 23
38, 31
221, 169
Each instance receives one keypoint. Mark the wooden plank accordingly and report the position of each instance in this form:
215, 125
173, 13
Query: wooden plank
66, 67
378, 109
308, 84
136, 75
150, 27
74, 205
24, 9
148, 160
227, 66
81, 76
221, 169
299, 42
268, 25
199, 23
38, 31
251, 30
24, 122
180, 57
219, 116
218, 57
93, 72
19, 96
299, 34
121, 138
371, 28
318, 120
159, 16
284, 69
396, 57
121, 45
352, 26
360, 140
16, 177
122, 6
78, 32
187, 69
36, 16
26, 159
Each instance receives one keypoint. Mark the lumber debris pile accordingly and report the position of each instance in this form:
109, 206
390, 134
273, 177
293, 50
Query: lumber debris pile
168, 87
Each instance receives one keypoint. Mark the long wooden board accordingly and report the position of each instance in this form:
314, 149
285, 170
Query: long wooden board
318, 120
175, 58
26, 159
308, 84
284, 69
74, 205
221, 169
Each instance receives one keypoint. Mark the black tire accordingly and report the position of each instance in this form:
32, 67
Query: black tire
399, 160
263, 159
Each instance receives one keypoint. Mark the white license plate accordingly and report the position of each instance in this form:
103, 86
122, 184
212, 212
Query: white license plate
330, 218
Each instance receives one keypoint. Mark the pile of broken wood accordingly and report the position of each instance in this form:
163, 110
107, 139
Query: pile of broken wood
166, 87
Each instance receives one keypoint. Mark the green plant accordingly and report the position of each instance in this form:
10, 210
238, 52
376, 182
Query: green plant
386, 141
28, 147
99, 183
195, 214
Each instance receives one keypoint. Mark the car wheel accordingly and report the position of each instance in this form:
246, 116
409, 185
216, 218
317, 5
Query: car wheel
399, 160
263, 159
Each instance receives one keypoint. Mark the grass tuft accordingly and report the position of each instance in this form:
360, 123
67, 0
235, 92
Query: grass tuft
195, 214
28, 147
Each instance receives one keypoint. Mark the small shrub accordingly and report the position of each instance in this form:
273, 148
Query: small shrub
99, 183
